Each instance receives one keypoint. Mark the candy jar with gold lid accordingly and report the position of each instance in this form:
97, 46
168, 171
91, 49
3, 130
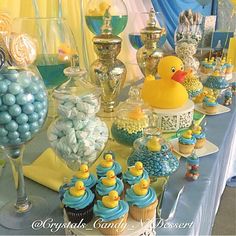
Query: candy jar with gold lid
155, 153
78, 136
132, 117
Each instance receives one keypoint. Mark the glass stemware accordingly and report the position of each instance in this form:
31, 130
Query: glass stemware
56, 46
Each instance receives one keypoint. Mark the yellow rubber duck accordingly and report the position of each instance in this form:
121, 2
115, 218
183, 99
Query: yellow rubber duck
83, 172
78, 190
153, 144
167, 92
136, 113
112, 200
188, 134
137, 169
110, 179
107, 162
141, 188
200, 97
197, 129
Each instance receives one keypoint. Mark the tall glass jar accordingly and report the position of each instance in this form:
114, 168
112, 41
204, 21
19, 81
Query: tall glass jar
77, 136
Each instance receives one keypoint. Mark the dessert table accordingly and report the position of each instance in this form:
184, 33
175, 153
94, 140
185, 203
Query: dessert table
198, 203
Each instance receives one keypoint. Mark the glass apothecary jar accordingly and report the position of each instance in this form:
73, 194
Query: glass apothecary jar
78, 136
155, 153
132, 117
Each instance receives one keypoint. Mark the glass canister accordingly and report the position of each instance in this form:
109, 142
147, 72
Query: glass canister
155, 153
132, 117
78, 136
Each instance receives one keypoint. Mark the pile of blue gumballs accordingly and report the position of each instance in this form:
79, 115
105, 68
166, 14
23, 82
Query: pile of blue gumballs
23, 106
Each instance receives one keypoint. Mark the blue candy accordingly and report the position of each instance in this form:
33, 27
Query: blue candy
26, 136
38, 106
3, 87
34, 126
33, 117
3, 108
33, 88
4, 140
4, 117
13, 135
3, 132
28, 108
21, 99
15, 89
8, 99
22, 118
12, 75
23, 128
12, 126
15, 110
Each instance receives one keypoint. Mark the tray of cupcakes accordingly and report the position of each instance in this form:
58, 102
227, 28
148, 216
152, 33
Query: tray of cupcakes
111, 203
194, 138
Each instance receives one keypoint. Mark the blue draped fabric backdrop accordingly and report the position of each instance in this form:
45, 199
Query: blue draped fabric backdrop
172, 8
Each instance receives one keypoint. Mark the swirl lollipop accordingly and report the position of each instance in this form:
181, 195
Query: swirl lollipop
5, 23
23, 49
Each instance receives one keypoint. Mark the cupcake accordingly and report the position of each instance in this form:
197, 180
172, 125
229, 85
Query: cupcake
134, 174
207, 66
210, 105
109, 183
142, 201
107, 164
88, 179
199, 135
78, 203
187, 142
113, 211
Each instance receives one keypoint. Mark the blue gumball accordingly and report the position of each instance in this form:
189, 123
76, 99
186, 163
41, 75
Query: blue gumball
28, 108
23, 128
40, 96
1, 77
13, 135
38, 106
3, 86
15, 88
11, 126
25, 78
21, 99
33, 117
15, 110
33, 88
3, 132
8, 99
15, 141
4, 118
12, 75
3, 108
22, 119
34, 126
26, 136
4, 140
41, 121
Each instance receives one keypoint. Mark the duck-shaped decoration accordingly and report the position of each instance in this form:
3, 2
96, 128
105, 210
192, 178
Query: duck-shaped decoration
65, 52
78, 190
83, 172
200, 97
110, 180
107, 161
137, 169
188, 134
136, 113
112, 200
167, 92
197, 129
153, 144
141, 188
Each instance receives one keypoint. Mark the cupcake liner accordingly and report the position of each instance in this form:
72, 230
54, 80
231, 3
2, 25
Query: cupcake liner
186, 148
76, 216
146, 213
114, 231
200, 143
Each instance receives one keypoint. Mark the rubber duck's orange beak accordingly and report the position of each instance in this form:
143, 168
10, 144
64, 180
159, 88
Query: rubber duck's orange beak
117, 198
86, 171
179, 76
82, 188
113, 177
140, 168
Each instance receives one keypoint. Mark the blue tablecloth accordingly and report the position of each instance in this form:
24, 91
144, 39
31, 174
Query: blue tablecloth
198, 204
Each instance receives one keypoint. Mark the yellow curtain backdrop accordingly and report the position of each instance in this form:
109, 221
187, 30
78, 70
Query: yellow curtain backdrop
71, 11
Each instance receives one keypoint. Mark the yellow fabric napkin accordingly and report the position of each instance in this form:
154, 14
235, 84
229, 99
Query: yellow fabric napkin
48, 170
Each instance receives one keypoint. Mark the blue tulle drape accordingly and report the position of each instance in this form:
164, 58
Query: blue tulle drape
172, 8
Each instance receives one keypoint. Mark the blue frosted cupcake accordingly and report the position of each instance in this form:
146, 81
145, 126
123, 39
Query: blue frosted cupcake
142, 201
78, 203
199, 135
107, 164
109, 183
210, 105
88, 179
134, 174
187, 142
113, 211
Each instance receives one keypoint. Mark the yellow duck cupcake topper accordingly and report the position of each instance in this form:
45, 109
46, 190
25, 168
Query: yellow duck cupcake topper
167, 92
136, 113
78, 190
112, 200
188, 134
107, 161
197, 129
141, 188
110, 179
137, 169
83, 172
153, 144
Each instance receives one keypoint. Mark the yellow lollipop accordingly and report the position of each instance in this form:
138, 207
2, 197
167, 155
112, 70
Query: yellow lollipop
5, 23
